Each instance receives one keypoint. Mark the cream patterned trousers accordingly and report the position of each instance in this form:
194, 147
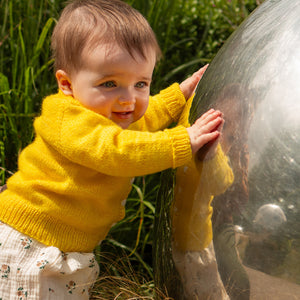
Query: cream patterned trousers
30, 270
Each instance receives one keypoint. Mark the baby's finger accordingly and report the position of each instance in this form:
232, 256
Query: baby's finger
208, 117
201, 71
211, 112
205, 115
219, 127
212, 125
207, 137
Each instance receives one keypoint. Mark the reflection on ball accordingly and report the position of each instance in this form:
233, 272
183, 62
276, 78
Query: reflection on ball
269, 217
254, 80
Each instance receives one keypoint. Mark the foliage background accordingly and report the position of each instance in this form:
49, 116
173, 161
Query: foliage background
190, 33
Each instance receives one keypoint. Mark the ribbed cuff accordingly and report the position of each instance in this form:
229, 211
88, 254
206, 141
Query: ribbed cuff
182, 151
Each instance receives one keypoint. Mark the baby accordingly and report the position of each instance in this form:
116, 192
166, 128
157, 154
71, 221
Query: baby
93, 137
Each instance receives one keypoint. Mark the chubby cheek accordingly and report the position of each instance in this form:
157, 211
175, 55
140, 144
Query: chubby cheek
141, 108
99, 109
100, 105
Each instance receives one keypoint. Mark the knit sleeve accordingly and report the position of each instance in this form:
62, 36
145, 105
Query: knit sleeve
164, 108
91, 140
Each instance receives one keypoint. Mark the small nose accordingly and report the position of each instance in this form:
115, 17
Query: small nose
124, 101
127, 97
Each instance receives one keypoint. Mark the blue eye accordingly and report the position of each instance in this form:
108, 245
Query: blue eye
108, 84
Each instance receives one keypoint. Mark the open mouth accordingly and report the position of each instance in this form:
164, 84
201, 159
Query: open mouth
123, 114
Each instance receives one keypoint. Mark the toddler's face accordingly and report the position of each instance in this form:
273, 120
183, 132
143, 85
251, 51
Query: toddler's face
114, 84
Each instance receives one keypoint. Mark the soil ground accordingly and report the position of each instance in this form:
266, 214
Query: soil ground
266, 287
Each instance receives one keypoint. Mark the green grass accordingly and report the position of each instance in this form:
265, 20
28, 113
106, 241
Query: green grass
25, 75
190, 33
120, 280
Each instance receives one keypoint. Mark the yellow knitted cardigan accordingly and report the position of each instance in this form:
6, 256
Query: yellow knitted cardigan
74, 177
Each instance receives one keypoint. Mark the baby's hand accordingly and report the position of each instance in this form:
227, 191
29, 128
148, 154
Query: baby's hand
205, 129
209, 150
189, 85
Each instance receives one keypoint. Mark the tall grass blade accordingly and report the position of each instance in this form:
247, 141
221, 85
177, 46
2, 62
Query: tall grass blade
42, 38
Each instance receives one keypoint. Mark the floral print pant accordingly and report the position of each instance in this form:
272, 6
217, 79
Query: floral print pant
30, 270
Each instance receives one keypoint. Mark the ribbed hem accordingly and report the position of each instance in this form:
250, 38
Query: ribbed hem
46, 229
182, 151
174, 99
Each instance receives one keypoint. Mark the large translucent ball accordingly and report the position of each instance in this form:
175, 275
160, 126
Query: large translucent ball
255, 81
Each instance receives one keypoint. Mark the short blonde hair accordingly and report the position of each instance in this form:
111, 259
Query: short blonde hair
89, 23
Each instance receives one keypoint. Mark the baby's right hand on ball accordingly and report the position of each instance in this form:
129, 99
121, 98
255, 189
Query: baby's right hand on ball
205, 129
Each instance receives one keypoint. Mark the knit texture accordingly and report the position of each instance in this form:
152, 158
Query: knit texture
73, 178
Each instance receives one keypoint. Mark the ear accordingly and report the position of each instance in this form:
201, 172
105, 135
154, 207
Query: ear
64, 82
